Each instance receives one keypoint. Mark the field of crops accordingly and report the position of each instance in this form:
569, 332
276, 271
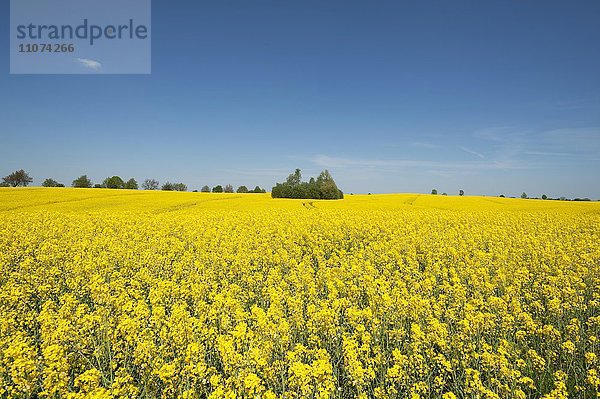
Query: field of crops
114, 293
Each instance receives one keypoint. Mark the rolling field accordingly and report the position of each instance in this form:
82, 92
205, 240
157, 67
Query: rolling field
127, 294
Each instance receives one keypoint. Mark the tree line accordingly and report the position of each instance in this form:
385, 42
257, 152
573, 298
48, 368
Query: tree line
545, 197
435, 192
229, 189
323, 187
20, 178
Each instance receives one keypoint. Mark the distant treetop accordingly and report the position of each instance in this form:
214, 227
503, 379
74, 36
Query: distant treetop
51, 183
82, 182
114, 182
150, 184
131, 184
168, 186
20, 178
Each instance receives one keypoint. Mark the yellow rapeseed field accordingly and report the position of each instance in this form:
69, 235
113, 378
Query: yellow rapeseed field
133, 294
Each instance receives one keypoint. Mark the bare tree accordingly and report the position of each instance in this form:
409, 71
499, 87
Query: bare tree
150, 184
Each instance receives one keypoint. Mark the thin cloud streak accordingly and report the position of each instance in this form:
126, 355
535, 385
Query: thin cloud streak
468, 151
550, 154
510, 143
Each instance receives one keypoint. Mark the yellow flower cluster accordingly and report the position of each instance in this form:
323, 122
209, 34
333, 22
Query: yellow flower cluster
127, 294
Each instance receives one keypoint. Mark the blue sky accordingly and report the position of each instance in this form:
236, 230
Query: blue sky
494, 97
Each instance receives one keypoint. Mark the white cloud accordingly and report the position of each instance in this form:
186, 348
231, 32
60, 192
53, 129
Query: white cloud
550, 154
477, 154
508, 143
91, 64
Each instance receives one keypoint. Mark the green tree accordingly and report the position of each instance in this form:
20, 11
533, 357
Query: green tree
205, 189
327, 187
168, 186
179, 187
461, 193
82, 182
258, 190
242, 190
131, 184
51, 183
217, 189
434, 192
150, 184
295, 178
323, 187
20, 178
312, 190
280, 190
114, 182
544, 197
524, 195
